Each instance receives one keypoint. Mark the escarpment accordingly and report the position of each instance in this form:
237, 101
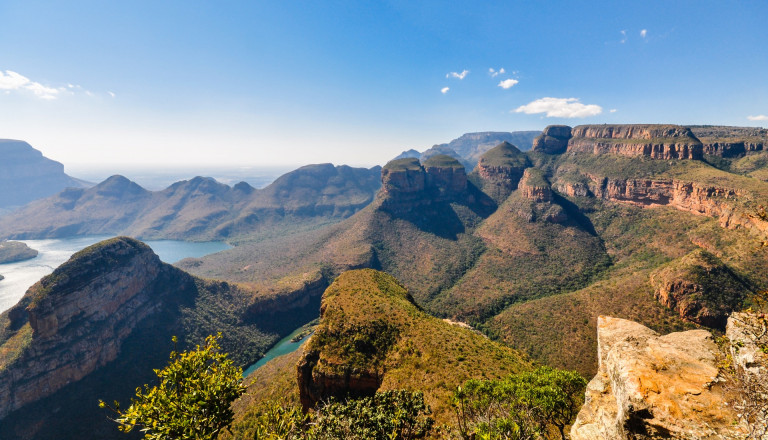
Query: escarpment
406, 184
501, 169
651, 140
726, 141
74, 321
650, 386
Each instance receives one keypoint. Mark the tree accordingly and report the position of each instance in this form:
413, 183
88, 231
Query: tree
521, 406
192, 399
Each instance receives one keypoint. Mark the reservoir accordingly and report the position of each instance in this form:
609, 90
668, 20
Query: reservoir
21, 275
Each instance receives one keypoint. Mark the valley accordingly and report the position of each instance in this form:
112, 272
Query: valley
432, 267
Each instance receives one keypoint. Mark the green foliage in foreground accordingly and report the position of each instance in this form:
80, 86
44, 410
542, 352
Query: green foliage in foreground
524, 406
388, 415
192, 400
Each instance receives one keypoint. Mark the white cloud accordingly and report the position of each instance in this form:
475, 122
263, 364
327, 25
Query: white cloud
457, 75
758, 118
444, 90
11, 80
508, 83
613, 110
643, 33
495, 73
112, 94
623, 37
560, 108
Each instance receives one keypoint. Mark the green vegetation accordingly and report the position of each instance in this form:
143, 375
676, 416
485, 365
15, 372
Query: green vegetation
442, 161
192, 400
12, 251
505, 155
535, 177
405, 164
521, 406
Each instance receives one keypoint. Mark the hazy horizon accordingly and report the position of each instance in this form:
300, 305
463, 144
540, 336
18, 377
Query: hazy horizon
269, 83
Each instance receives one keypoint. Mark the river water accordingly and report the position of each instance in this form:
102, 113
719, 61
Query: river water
21, 275
284, 346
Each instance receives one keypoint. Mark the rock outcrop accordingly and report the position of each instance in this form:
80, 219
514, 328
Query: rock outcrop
74, 321
721, 203
406, 184
701, 288
26, 175
501, 169
727, 141
651, 140
553, 140
651, 387
535, 187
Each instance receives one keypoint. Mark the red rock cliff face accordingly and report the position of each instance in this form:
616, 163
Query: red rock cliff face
105, 303
655, 141
406, 184
553, 140
534, 186
712, 201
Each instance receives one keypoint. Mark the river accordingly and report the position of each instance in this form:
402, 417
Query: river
21, 275
284, 346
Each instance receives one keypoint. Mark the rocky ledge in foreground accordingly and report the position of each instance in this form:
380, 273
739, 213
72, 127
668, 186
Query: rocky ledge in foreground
650, 386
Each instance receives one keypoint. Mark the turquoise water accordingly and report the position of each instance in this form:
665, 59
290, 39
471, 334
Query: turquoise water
284, 346
21, 275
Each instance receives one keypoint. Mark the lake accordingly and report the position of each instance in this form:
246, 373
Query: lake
21, 275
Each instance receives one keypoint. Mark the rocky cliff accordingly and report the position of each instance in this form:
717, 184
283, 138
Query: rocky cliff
26, 175
11, 251
535, 187
501, 169
100, 323
74, 320
650, 386
727, 141
553, 140
407, 184
651, 140
701, 288
373, 337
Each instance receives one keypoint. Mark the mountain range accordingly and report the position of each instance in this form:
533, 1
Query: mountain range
659, 224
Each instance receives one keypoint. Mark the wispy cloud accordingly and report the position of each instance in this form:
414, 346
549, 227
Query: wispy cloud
613, 110
457, 75
644, 33
11, 80
495, 73
560, 108
444, 90
623, 37
508, 83
758, 118
112, 94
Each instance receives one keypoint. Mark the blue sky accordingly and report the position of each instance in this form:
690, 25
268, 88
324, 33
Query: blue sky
356, 82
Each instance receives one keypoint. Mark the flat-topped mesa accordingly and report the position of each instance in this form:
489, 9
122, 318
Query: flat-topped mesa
406, 184
553, 140
657, 141
728, 141
535, 186
501, 169
447, 175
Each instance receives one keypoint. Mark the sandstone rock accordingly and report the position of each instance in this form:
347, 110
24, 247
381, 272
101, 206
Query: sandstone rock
501, 169
652, 140
748, 335
553, 140
727, 141
406, 184
701, 288
650, 386
77, 317
535, 187
447, 175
